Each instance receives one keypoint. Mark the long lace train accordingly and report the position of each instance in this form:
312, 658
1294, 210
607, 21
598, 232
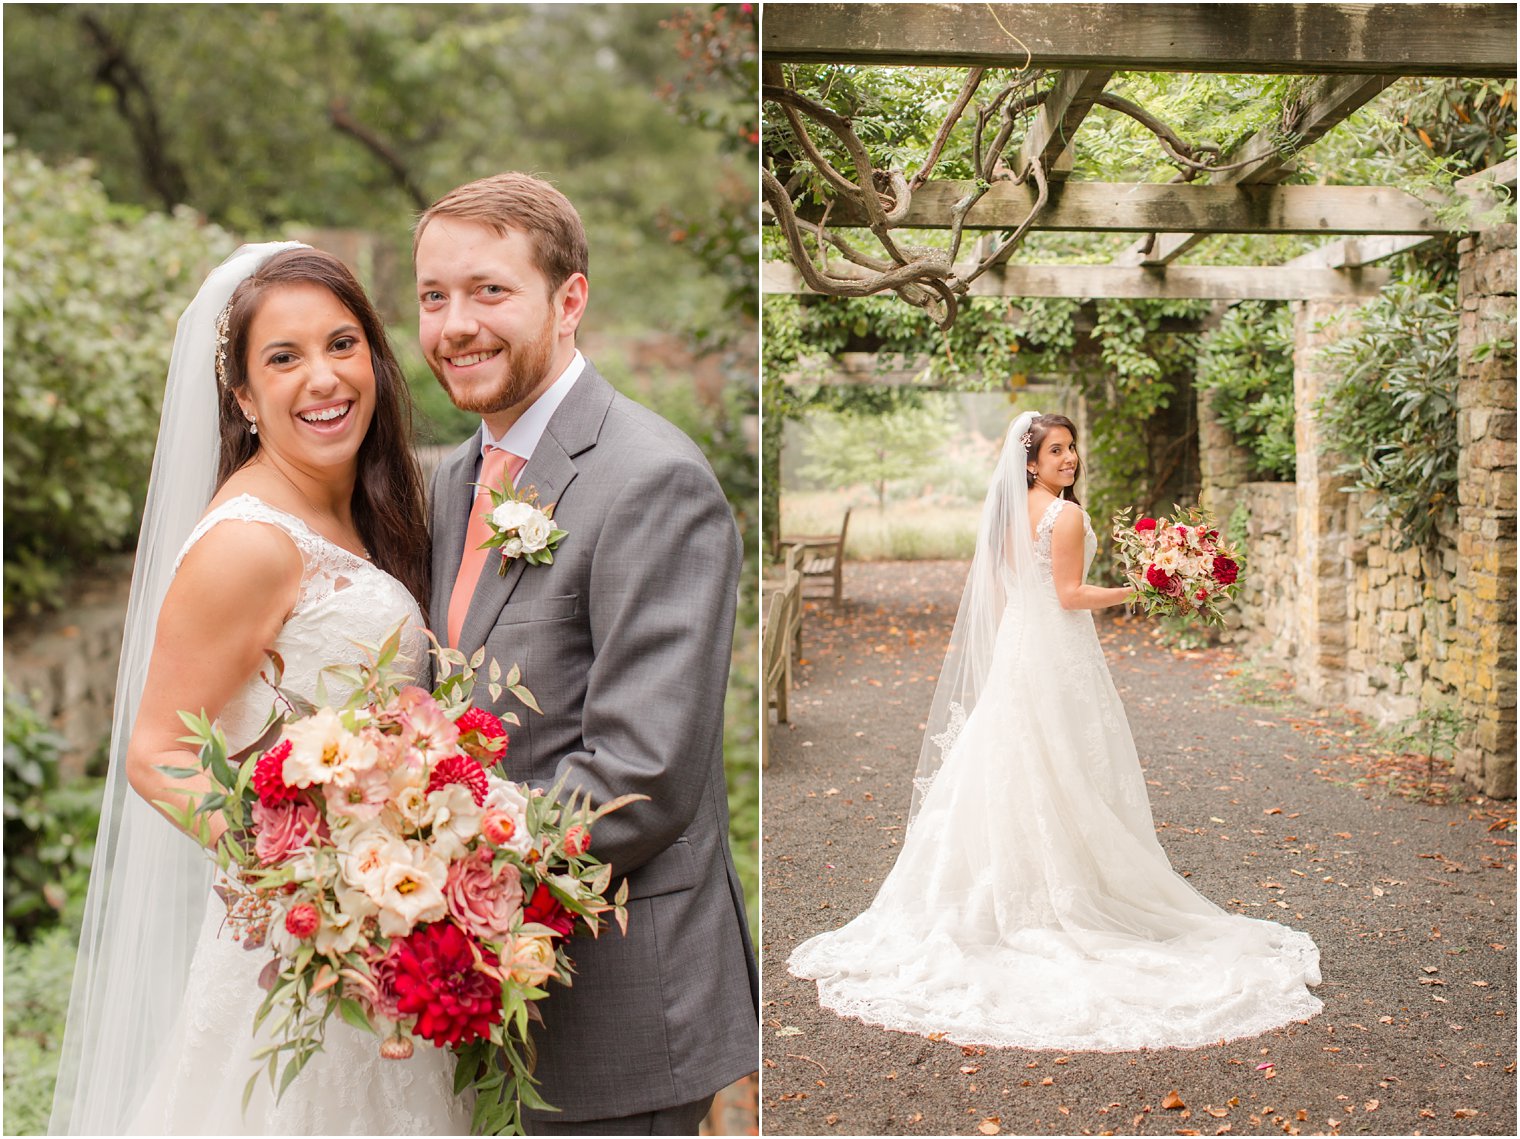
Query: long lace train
1031, 905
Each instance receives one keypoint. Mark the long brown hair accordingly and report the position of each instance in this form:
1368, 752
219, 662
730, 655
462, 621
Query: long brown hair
1040, 427
389, 505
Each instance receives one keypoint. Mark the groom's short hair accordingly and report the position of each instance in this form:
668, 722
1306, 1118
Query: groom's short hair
514, 200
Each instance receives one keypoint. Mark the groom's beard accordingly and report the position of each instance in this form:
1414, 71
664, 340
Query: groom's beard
515, 373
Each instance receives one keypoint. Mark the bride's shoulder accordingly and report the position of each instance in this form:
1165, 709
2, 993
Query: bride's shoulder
243, 530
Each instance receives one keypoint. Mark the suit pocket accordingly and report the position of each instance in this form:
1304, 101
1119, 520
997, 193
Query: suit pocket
673, 869
539, 609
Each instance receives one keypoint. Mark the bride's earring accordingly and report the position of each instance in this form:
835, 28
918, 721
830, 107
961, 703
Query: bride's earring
253, 426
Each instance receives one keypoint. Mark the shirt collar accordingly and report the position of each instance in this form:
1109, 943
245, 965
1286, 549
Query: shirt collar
523, 436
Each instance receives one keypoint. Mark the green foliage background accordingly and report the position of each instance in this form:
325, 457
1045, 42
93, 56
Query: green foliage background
1419, 135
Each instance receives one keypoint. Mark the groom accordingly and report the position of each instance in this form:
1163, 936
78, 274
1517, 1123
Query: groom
625, 641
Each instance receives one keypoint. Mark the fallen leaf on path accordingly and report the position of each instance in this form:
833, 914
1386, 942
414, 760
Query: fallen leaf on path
1217, 1112
1173, 1101
990, 1126
788, 1030
1371, 1105
1046, 1082
1464, 1113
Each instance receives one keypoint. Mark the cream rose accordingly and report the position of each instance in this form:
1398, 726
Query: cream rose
535, 532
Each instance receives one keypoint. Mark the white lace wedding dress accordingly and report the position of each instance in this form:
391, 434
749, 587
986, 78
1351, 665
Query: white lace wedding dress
347, 1089
1031, 905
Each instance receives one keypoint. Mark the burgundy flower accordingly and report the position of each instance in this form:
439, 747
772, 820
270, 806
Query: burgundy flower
463, 770
1159, 578
1225, 571
482, 735
545, 909
269, 776
435, 979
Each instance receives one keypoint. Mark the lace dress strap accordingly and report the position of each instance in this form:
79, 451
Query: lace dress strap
1046, 528
326, 566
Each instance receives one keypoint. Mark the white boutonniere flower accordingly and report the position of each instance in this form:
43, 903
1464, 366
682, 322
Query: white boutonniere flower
520, 528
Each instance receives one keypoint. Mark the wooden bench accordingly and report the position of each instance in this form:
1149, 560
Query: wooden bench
823, 556
783, 621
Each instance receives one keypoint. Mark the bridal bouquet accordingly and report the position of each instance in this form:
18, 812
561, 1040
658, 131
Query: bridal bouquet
1178, 565
399, 880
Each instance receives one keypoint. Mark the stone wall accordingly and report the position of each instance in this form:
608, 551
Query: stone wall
1357, 621
66, 665
1483, 658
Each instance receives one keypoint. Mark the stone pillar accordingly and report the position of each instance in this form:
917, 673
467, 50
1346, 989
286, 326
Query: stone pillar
1223, 463
1322, 578
1482, 664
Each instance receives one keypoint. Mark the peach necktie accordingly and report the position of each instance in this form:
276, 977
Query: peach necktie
497, 462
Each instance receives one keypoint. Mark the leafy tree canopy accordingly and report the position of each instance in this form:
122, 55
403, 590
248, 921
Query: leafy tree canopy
356, 115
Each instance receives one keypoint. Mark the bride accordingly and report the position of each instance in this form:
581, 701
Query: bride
286, 411
1031, 905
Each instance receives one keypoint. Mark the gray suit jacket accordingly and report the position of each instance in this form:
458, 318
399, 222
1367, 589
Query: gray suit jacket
625, 641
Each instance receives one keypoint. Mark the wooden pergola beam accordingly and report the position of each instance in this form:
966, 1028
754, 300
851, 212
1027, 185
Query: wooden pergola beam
1151, 207
1266, 38
1354, 252
1177, 282
1327, 105
1060, 116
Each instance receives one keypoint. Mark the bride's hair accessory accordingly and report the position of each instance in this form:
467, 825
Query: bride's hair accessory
223, 319
1028, 441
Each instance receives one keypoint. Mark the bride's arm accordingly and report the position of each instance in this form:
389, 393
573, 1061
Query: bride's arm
1066, 567
224, 607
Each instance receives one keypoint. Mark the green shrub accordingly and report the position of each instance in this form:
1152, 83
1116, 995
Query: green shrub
37, 981
92, 295
1391, 411
1248, 362
49, 828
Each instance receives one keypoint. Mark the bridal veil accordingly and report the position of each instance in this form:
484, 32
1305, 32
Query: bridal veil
148, 881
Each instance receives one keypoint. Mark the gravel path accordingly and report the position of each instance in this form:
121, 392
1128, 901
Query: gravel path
1411, 904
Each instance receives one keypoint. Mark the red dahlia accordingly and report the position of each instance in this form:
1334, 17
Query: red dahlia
1225, 571
545, 909
490, 742
269, 777
1145, 524
435, 979
460, 769
1159, 578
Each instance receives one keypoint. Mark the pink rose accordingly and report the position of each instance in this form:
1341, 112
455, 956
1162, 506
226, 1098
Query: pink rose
482, 901
284, 829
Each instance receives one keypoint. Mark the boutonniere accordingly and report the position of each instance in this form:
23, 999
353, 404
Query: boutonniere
521, 528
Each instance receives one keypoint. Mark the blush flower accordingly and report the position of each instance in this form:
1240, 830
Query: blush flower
284, 829
423, 724
316, 748
484, 901
412, 890
528, 956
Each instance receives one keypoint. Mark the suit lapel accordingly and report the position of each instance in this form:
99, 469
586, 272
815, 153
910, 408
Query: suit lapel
572, 430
